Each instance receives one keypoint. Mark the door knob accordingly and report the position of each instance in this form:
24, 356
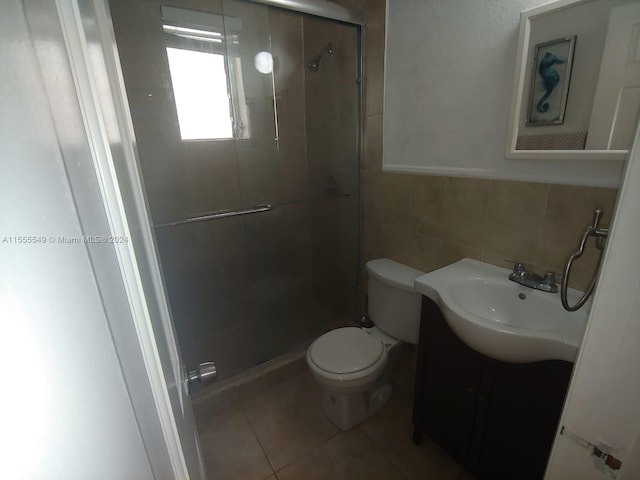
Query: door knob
206, 372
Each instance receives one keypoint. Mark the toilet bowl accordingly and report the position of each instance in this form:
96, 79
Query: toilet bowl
353, 365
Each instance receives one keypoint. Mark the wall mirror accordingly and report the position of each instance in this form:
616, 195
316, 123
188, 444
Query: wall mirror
576, 91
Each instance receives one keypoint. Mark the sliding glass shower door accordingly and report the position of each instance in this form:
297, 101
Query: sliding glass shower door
250, 163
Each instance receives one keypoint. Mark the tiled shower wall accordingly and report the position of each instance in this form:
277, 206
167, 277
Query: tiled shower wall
430, 221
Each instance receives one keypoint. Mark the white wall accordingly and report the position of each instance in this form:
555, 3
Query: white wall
448, 79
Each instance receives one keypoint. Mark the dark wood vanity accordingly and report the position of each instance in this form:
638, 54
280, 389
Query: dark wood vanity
498, 419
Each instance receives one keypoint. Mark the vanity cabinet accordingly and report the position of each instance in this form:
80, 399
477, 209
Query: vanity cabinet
497, 419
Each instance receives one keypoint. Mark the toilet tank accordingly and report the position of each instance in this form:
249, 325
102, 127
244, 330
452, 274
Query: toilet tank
394, 305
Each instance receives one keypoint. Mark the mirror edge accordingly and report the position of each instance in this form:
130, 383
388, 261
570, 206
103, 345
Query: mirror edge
526, 16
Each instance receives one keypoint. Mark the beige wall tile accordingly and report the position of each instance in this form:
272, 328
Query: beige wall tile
375, 26
372, 242
517, 205
454, 252
569, 211
575, 204
497, 259
428, 205
583, 268
466, 201
397, 200
514, 219
453, 218
394, 244
373, 143
374, 82
372, 201
425, 252
513, 244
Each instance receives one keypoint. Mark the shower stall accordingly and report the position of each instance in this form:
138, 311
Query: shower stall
248, 127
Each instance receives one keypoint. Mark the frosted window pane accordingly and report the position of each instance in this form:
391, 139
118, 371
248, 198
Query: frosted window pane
200, 90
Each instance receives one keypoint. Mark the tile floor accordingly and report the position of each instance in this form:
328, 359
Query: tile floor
282, 434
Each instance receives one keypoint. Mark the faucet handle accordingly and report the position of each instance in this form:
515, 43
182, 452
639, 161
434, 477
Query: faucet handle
548, 283
549, 278
556, 277
518, 267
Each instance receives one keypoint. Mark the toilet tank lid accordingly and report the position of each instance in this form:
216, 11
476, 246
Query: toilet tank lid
393, 273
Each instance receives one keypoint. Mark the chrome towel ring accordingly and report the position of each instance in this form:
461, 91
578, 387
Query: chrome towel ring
600, 234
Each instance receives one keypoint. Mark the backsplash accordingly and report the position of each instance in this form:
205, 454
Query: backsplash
428, 222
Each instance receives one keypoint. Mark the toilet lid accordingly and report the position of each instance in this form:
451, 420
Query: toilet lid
345, 350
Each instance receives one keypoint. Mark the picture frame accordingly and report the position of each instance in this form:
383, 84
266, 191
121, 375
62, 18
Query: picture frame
550, 80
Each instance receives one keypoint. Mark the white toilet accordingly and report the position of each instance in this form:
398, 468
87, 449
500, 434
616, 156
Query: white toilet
353, 365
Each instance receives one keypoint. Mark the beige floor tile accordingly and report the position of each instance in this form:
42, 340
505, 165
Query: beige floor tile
391, 430
346, 456
289, 421
231, 450
301, 443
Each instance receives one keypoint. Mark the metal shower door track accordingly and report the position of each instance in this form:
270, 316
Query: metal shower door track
319, 8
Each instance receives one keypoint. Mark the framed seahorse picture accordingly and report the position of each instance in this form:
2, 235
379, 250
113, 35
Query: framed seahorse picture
550, 79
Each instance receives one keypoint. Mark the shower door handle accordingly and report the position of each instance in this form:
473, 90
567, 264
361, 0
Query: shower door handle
266, 207
205, 373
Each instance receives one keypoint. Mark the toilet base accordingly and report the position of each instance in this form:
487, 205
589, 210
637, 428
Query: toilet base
347, 411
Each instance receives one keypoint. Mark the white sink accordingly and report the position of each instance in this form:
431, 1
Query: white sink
502, 319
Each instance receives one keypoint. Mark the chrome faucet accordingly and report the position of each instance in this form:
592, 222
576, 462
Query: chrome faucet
546, 283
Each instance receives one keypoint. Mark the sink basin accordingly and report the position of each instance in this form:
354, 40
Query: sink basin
502, 319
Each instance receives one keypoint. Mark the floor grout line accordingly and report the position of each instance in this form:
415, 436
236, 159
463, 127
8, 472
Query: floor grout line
264, 452
383, 451
311, 449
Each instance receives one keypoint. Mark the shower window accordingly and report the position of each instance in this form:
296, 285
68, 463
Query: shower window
204, 73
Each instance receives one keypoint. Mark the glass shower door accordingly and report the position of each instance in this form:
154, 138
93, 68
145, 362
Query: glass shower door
228, 117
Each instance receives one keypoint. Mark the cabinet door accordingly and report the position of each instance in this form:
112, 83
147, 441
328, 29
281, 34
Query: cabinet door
449, 377
518, 417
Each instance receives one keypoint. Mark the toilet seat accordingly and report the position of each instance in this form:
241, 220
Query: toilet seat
347, 354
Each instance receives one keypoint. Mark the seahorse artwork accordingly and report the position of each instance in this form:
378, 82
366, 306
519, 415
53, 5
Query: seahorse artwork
550, 78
